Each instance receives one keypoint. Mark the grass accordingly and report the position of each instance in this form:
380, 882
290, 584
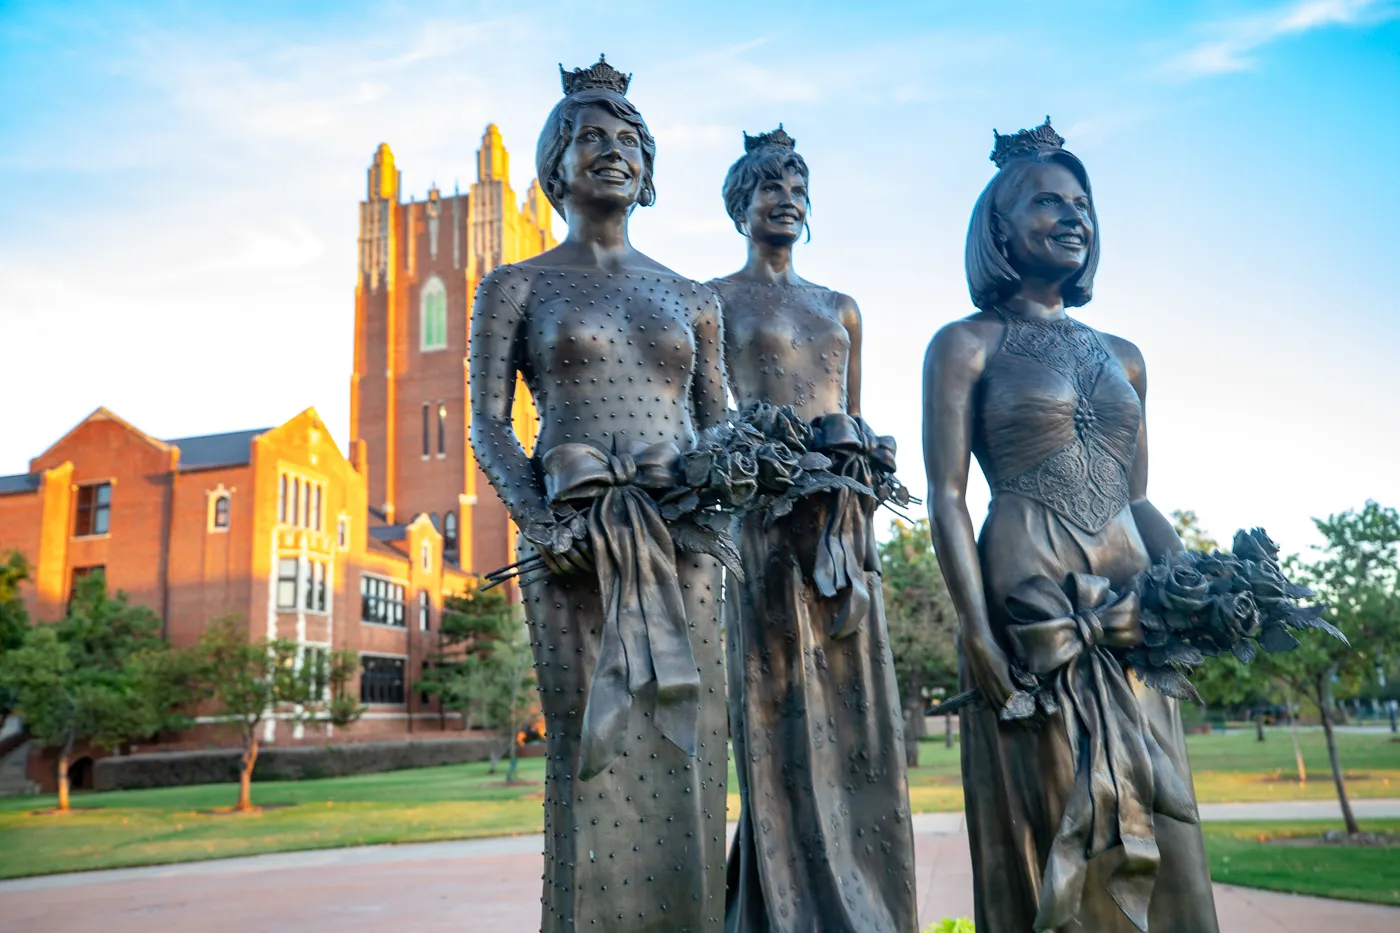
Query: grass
1228, 767
178, 824
1242, 853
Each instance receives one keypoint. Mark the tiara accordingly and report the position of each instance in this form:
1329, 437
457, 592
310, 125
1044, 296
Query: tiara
599, 75
1026, 142
778, 138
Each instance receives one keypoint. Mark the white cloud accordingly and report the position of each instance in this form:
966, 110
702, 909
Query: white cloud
1230, 49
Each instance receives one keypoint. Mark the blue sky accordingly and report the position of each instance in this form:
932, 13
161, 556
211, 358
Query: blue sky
178, 236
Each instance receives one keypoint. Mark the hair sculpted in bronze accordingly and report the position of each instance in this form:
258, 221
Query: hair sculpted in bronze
990, 277
597, 86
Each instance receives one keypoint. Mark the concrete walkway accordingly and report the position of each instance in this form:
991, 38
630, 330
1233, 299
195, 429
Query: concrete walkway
493, 885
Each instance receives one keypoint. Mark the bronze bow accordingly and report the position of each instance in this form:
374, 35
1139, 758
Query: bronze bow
846, 550
645, 636
1122, 776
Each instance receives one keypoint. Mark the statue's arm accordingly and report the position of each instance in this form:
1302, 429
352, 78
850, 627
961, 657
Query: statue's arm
497, 320
850, 319
952, 367
708, 404
1156, 529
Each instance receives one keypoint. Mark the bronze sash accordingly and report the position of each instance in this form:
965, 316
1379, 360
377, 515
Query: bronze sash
846, 550
645, 636
1121, 775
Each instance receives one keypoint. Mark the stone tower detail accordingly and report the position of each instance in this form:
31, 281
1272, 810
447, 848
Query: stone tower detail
419, 266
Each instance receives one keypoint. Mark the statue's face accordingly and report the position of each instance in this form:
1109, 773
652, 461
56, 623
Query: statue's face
778, 210
1048, 229
603, 162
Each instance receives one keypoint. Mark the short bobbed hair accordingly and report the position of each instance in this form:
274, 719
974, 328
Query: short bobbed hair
766, 163
990, 277
559, 130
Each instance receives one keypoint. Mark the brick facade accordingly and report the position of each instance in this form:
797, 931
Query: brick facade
199, 527
409, 375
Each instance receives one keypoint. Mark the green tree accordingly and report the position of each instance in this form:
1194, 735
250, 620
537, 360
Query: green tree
1358, 576
510, 700
922, 624
484, 668
1188, 528
101, 675
248, 680
14, 622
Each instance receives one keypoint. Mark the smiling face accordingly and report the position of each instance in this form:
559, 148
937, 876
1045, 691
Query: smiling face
1048, 228
778, 209
603, 162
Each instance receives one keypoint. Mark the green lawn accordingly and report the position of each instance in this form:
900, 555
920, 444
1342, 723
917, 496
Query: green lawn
176, 824
1227, 768
1241, 853
179, 824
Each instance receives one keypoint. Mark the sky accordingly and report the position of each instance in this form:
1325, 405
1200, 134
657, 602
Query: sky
178, 235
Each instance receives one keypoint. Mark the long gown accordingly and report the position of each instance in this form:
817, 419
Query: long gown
824, 842
612, 358
1055, 431
654, 821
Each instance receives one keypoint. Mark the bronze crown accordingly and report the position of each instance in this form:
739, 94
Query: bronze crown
1025, 142
778, 138
599, 75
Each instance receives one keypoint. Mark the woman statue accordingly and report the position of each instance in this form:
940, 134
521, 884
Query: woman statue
623, 358
824, 840
1054, 412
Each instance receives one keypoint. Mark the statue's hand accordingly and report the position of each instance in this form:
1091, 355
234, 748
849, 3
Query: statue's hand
577, 559
561, 538
990, 669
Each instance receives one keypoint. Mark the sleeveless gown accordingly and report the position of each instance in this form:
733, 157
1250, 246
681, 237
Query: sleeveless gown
1055, 431
824, 843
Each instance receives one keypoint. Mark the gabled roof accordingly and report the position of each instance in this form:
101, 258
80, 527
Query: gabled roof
20, 482
375, 546
103, 414
216, 450
388, 532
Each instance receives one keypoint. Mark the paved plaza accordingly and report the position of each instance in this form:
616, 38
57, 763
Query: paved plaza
492, 886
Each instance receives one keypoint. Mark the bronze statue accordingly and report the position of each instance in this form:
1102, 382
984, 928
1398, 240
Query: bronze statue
1084, 821
824, 839
624, 360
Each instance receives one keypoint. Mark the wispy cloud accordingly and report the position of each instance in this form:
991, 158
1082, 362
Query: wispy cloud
1232, 44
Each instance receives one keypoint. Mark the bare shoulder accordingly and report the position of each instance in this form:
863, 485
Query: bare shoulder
1128, 356
846, 309
964, 345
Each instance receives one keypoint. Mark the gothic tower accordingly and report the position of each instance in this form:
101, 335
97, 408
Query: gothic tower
419, 266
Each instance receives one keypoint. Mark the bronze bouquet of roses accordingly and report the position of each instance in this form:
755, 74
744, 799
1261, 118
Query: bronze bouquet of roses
1187, 607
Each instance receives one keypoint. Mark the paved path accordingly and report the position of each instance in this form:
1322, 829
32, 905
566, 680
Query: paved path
493, 885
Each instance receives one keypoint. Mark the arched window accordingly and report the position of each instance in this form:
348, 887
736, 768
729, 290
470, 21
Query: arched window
449, 533
433, 319
427, 554
221, 504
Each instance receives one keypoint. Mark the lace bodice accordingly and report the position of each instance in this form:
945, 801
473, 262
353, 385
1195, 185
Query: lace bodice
1057, 421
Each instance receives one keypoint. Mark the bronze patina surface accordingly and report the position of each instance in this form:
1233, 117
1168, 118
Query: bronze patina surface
1053, 410
824, 839
622, 355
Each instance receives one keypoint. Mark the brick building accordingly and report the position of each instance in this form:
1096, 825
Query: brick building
276, 524
420, 264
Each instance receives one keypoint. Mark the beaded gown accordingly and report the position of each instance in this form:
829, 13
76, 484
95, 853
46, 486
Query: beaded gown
1055, 429
638, 847
824, 841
